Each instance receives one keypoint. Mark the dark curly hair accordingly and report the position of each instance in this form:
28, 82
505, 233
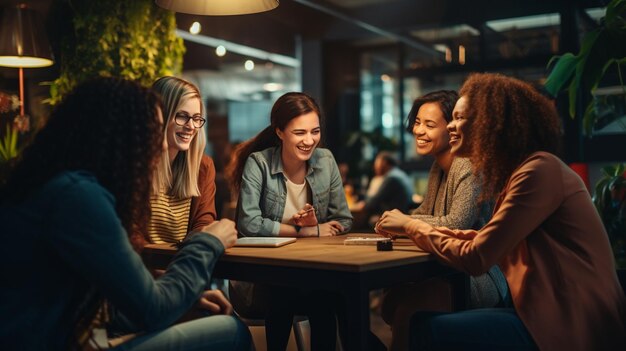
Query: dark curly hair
286, 108
508, 120
106, 126
446, 100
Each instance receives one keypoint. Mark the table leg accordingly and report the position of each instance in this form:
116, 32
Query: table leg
357, 319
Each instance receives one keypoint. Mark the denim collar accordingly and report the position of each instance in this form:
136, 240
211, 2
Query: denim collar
277, 161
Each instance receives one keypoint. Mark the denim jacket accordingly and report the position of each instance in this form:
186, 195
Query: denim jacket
263, 192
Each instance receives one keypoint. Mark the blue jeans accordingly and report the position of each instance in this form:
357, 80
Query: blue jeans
481, 329
218, 332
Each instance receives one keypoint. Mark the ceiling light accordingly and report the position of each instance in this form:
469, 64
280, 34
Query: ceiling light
195, 28
527, 22
239, 49
220, 50
272, 87
249, 65
218, 7
461, 54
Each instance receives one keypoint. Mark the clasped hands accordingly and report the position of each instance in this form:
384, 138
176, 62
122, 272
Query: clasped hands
306, 218
392, 223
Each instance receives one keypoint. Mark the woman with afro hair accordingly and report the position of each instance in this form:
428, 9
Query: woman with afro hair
545, 233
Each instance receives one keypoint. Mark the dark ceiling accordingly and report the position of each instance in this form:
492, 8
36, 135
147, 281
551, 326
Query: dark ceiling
359, 22
353, 22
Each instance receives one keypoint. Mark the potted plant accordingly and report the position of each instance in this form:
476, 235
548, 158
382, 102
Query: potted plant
9, 148
601, 49
610, 201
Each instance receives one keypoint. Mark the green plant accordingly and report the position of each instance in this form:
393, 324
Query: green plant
130, 39
8, 145
601, 48
610, 201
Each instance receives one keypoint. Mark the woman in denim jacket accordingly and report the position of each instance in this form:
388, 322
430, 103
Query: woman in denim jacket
289, 187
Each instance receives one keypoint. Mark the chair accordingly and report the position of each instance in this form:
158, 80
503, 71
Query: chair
253, 317
300, 327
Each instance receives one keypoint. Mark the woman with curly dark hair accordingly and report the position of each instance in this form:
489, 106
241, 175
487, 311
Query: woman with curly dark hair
545, 233
450, 201
64, 216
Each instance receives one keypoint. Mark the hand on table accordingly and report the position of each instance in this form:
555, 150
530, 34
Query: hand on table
392, 223
224, 230
330, 228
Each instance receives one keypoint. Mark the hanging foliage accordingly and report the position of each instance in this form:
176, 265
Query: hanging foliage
130, 39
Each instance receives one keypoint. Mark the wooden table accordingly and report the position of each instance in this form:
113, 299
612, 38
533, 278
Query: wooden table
325, 263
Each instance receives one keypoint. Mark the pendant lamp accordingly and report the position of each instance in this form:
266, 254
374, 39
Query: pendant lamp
218, 7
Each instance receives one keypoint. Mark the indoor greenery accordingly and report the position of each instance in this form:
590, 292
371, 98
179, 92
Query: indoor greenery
130, 39
601, 49
610, 201
8, 144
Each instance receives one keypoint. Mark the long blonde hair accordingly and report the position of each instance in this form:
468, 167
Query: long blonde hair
181, 179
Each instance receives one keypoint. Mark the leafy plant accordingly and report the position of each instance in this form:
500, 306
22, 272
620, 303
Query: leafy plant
610, 201
601, 48
8, 145
130, 39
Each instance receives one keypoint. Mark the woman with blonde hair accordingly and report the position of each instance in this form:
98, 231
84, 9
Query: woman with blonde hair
183, 190
545, 233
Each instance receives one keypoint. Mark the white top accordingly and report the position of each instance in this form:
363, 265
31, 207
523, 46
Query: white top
295, 200
374, 185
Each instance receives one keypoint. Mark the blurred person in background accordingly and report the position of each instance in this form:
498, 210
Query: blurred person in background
390, 188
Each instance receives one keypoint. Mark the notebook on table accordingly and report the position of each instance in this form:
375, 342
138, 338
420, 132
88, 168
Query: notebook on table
264, 241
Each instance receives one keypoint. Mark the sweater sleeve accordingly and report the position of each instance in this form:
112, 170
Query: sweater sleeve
203, 206
87, 234
528, 199
464, 209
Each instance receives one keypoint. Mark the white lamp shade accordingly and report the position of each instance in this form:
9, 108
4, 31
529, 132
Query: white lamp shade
218, 7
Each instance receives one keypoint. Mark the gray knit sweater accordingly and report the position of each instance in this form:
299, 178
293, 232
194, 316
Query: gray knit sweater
451, 201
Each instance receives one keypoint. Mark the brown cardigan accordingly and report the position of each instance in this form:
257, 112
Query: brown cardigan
554, 251
202, 211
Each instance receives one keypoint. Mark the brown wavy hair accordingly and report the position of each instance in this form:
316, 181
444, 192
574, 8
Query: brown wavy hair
286, 108
509, 120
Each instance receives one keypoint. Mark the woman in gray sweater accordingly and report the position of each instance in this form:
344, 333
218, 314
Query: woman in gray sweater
451, 200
